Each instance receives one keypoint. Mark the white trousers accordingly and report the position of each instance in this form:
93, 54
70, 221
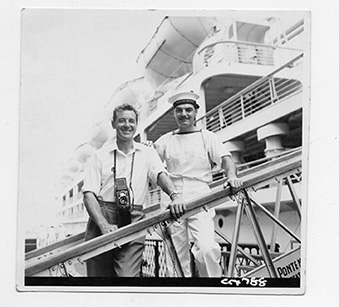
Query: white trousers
198, 229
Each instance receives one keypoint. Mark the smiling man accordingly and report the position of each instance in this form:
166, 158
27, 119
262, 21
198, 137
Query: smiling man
115, 188
190, 154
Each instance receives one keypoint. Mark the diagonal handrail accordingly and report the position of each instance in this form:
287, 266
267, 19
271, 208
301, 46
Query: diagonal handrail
256, 176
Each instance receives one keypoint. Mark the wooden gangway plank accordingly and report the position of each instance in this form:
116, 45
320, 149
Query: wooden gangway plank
256, 177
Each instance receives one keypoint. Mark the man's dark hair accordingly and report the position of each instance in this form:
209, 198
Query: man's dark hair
124, 107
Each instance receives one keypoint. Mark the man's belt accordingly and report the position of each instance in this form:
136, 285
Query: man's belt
114, 204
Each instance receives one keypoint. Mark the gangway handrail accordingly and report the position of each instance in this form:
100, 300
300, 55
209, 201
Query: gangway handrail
266, 159
59, 244
247, 171
77, 238
250, 87
258, 175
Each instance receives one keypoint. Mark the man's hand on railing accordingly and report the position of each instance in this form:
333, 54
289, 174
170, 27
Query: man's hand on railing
177, 206
107, 228
235, 183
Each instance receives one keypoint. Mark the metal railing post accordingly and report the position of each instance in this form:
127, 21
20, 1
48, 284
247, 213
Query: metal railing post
242, 106
294, 195
276, 214
221, 118
156, 259
235, 239
273, 93
260, 238
164, 233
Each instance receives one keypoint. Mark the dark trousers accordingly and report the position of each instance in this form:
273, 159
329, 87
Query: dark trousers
124, 261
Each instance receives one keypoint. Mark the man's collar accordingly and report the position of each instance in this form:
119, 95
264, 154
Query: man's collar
114, 146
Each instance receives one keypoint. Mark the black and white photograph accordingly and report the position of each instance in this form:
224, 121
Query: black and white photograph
163, 150
161, 153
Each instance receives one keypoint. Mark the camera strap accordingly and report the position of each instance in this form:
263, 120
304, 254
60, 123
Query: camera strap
114, 173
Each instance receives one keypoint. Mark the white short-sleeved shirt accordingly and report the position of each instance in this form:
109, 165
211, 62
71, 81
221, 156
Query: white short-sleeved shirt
99, 176
188, 157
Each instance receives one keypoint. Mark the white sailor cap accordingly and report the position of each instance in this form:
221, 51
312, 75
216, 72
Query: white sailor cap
184, 97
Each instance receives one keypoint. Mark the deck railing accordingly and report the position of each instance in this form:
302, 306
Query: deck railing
235, 52
266, 91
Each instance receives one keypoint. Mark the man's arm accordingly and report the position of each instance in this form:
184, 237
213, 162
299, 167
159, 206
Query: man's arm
231, 172
177, 205
94, 211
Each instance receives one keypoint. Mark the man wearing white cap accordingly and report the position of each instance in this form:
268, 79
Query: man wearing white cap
190, 154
